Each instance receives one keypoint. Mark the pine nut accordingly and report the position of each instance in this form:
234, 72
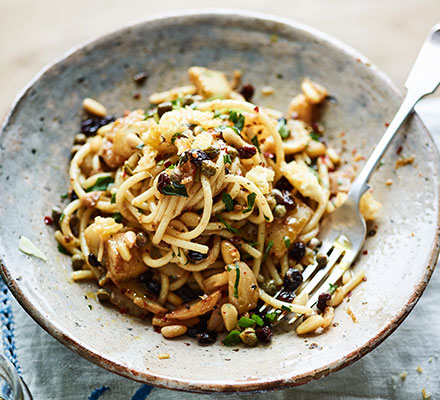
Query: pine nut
94, 107
172, 331
230, 253
229, 314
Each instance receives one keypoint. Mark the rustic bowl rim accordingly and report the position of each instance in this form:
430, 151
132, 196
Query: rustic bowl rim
188, 384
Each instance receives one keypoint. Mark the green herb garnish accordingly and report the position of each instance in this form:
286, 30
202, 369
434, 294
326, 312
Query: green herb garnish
315, 136
270, 316
269, 246
176, 136
117, 216
285, 308
255, 142
282, 128
258, 320
65, 196
175, 189
245, 322
140, 146
237, 279
62, 216
63, 250
237, 119
101, 184
232, 338
286, 241
266, 218
332, 288
161, 162
227, 226
227, 200
113, 199
253, 243
90, 307
251, 201
227, 159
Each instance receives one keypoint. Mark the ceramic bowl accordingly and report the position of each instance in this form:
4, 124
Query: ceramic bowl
34, 155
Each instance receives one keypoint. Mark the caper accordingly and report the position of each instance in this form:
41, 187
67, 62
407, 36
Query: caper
141, 240
279, 211
233, 153
269, 287
271, 201
77, 261
208, 168
80, 138
212, 152
103, 295
176, 174
249, 337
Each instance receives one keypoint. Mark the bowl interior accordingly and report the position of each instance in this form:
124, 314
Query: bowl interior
34, 157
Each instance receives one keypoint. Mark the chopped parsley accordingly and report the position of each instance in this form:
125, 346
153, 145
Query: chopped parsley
140, 146
332, 288
251, 201
175, 189
315, 136
287, 241
227, 200
266, 218
255, 142
237, 119
176, 136
282, 128
237, 279
245, 322
101, 184
90, 307
253, 243
285, 308
227, 159
270, 316
117, 216
62, 216
63, 250
113, 199
65, 196
232, 338
258, 320
269, 246
230, 228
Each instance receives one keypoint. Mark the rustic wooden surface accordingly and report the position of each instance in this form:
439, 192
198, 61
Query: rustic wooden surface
34, 33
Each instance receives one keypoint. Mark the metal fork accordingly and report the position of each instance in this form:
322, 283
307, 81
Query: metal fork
343, 232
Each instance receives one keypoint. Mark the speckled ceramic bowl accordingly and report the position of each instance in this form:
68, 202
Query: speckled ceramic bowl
34, 155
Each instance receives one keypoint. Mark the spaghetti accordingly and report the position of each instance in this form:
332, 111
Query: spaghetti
207, 202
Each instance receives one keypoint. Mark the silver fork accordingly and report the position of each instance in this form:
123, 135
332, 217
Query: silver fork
343, 232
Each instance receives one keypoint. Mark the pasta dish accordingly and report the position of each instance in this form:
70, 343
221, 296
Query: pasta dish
199, 209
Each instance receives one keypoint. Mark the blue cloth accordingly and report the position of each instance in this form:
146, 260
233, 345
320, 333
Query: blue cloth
54, 372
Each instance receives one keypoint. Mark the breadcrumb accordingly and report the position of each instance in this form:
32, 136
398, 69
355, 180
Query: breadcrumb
425, 395
403, 375
389, 182
401, 162
163, 356
267, 90
419, 369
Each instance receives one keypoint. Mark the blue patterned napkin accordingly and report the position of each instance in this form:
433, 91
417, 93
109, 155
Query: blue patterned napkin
406, 364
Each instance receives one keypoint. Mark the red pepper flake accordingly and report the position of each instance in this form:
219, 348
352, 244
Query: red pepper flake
136, 95
269, 155
387, 124
364, 278
349, 294
399, 150
358, 60
167, 164
365, 252
48, 220
124, 174
68, 239
123, 310
256, 109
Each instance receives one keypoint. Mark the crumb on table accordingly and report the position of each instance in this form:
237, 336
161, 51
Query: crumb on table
401, 162
163, 356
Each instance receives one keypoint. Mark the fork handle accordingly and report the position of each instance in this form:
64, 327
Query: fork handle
422, 80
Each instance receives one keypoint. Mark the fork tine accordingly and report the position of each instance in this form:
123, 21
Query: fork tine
325, 248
